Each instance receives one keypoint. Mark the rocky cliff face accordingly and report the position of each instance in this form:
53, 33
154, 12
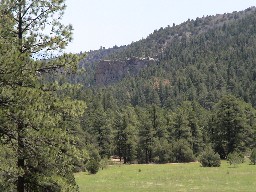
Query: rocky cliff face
111, 71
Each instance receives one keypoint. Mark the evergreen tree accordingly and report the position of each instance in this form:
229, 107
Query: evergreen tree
187, 124
146, 137
182, 130
97, 123
231, 130
125, 136
209, 158
40, 145
161, 147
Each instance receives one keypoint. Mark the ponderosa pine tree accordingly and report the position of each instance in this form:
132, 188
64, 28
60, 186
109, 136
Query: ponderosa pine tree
186, 127
7, 154
32, 132
161, 149
232, 126
146, 136
125, 124
120, 124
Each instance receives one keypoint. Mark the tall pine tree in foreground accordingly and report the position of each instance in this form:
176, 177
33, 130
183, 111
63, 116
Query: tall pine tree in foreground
37, 147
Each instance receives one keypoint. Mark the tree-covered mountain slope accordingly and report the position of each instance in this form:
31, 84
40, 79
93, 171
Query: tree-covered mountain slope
199, 59
182, 91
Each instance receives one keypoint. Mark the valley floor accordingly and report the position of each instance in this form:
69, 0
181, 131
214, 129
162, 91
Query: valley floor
170, 177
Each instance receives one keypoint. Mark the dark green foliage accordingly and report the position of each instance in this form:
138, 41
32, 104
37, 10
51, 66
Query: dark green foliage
186, 124
96, 122
182, 101
209, 158
232, 128
126, 135
146, 135
152, 134
198, 60
163, 151
93, 153
92, 166
196, 65
104, 163
253, 156
40, 147
235, 158
182, 152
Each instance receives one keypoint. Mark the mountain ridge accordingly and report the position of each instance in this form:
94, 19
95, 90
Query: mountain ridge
202, 59
157, 42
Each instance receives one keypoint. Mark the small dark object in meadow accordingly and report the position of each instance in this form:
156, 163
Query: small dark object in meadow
139, 170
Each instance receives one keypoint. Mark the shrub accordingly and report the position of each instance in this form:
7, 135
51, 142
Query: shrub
92, 166
235, 158
182, 152
104, 163
253, 156
209, 158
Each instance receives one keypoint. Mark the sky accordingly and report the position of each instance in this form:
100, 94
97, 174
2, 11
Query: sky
108, 23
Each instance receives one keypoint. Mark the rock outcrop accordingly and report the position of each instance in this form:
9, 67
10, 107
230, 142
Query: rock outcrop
111, 71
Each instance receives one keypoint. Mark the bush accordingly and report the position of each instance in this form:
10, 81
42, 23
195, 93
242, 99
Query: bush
253, 156
209, 158
104, 163
182, 152
235, 158
92, 166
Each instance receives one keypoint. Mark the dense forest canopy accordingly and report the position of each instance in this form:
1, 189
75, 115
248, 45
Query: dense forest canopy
198, 60
197, 92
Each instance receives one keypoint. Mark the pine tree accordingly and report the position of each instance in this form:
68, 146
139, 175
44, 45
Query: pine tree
186, 126
102, 132
34, 113
161, 148
125, 135
231, 128
146, 136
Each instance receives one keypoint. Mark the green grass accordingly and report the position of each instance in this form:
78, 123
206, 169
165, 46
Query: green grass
170, 177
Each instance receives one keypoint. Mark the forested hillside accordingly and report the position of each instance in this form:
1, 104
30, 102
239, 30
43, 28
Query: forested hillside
198, 60
198, 92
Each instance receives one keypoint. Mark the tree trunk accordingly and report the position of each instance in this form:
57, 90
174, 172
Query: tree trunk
146, 156
21, 181
21, 161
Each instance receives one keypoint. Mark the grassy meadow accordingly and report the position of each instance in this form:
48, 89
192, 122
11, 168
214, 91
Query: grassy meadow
170, 177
